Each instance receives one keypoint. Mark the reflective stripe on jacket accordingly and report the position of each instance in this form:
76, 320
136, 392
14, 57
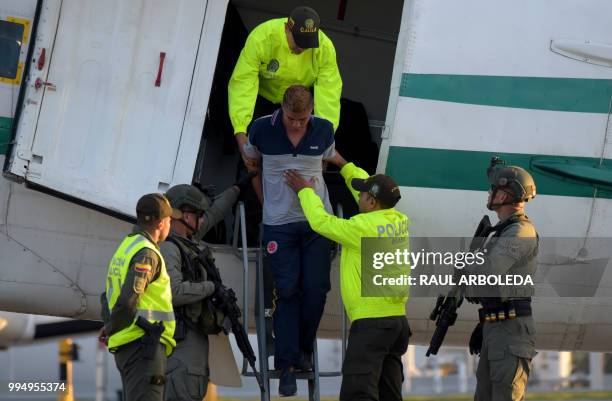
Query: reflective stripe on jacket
154, 304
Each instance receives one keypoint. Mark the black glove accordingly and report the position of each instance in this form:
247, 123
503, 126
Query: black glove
245, 180
209, 190
220, 294
476, 340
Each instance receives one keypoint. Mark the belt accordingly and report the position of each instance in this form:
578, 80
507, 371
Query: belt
505, 311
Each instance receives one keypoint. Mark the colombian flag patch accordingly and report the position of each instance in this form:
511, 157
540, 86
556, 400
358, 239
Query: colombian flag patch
142, 268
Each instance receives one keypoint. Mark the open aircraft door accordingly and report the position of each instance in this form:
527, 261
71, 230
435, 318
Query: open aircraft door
116, 98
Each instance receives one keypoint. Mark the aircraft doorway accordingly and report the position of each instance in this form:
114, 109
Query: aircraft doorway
365, 37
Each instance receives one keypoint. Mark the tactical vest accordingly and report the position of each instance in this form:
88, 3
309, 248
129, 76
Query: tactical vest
154, 304
189, 265
203, 316
524, 266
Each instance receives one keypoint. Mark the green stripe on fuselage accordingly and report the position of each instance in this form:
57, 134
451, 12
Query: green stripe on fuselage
466, 170
5, 133
539, 93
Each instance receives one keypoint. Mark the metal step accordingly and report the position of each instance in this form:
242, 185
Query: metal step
265, 373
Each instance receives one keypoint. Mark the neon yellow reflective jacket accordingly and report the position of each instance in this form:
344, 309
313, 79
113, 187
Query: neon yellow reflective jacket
154, 304
267, 66
349, 234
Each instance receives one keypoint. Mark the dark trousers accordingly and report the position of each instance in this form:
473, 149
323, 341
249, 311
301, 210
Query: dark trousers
300, 263
142, 378
372, 368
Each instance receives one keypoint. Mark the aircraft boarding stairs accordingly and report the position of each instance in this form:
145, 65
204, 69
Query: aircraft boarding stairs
263, 318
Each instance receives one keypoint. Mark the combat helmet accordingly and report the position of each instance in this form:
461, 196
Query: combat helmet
188, 195
513, 180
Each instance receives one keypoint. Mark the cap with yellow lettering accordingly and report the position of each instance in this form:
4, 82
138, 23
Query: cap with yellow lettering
153, 207
304, 23
382, 187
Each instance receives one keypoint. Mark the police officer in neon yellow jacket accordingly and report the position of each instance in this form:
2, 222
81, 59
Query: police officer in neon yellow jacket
279, 53
379, 332
137, 304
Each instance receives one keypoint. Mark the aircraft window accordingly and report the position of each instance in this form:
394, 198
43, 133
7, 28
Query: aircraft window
11, 35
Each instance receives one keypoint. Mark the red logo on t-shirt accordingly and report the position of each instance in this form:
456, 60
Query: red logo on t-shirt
272, 247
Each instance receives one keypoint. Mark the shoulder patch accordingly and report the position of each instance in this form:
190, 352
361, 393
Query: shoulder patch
146, 259
142, 267
140, 283
273, 65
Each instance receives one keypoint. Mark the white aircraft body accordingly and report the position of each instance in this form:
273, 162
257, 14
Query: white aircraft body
102, 101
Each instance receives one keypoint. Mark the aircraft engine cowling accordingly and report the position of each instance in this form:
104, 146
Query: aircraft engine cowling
15, 328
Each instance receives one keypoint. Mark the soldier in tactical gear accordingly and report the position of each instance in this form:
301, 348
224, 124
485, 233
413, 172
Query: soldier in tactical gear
505, 335
187, 370
515, 181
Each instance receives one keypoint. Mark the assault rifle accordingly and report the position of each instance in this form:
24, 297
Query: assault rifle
225, 299
445, 311
445, 315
